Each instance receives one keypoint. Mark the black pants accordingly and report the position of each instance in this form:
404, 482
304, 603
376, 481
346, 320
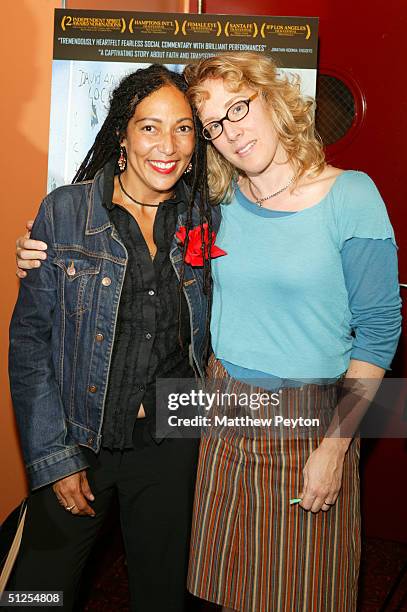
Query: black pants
155, 484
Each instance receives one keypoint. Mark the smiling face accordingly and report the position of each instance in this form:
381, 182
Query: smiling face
159, 141
251, 144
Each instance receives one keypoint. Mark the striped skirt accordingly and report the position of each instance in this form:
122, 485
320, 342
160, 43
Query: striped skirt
250, 549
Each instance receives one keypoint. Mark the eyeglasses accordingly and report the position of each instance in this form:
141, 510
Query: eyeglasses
236, 112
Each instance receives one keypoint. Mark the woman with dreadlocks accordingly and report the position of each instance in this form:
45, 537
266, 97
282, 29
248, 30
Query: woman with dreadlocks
92, 329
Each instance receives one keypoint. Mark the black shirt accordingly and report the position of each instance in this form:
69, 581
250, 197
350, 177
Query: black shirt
146, 344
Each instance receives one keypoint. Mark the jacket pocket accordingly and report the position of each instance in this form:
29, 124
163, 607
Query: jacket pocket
78, 277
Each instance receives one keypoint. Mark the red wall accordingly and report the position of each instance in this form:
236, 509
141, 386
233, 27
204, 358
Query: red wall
366, 42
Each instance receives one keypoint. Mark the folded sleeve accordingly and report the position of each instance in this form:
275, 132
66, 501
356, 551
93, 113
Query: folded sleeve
371, 278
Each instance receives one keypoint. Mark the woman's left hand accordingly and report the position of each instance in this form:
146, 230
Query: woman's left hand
323, 475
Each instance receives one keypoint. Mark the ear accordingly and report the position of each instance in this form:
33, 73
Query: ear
122, 139
123, 143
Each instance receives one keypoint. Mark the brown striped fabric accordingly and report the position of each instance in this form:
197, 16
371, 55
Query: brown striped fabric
253, 552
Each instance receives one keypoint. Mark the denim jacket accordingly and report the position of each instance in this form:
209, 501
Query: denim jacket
63, 328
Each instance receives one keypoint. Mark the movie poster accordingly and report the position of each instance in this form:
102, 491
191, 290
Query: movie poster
93, 50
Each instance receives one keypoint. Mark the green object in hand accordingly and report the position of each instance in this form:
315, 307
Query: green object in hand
295, 500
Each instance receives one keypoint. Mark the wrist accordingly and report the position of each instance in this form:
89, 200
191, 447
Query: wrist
339, 445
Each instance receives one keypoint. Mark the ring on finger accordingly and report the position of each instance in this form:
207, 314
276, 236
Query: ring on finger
70, 508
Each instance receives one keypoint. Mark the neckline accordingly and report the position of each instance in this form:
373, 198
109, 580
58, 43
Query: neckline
267, 213
264, 212
109, 173
169, 201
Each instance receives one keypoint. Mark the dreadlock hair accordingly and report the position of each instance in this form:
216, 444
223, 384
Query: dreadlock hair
199, 198
123, 102
131, 90
200, 201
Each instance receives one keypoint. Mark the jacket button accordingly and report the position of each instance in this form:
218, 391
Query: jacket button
99, 337
92, 388
148, 336
106, 281
151, 292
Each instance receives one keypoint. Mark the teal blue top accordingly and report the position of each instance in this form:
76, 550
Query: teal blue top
281, 304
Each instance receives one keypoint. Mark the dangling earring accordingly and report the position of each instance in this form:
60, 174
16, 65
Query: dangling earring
188, 168
122, 161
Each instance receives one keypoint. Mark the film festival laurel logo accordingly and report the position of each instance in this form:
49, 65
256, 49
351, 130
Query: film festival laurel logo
185, 27
96, 24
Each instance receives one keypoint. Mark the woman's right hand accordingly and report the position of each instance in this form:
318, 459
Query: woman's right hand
74, 492
29, 253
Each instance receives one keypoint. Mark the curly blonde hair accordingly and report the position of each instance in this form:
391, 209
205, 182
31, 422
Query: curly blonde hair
292, 114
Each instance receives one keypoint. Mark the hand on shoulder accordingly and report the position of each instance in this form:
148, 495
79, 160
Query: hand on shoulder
29, 253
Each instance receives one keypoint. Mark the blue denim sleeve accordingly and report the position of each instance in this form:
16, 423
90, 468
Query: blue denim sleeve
371, 278
35, 392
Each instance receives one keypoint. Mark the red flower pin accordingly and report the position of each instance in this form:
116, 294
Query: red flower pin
193, 256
